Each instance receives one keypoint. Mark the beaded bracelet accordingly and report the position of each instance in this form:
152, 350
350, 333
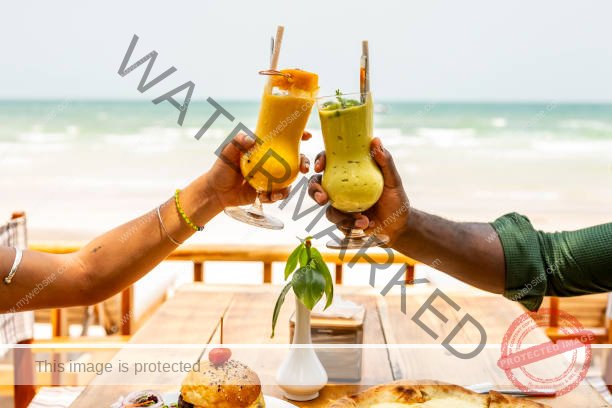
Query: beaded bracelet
185, 217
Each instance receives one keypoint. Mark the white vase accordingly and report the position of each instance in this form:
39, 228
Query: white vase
301, 375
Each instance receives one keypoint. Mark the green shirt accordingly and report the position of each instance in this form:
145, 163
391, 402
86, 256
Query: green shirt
539, 264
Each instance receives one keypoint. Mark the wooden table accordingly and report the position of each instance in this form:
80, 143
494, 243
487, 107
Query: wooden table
192, 317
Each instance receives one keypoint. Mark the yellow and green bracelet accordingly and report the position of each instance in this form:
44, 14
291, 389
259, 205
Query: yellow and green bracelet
185, 217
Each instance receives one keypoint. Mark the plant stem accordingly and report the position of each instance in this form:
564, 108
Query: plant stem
308, 244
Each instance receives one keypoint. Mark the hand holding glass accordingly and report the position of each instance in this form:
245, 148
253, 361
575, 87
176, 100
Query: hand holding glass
352, 179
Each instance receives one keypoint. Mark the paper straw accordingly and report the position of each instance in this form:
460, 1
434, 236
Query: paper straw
277, 46
364, 70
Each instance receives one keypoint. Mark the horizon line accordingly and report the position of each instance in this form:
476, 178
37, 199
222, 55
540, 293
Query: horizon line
382, 100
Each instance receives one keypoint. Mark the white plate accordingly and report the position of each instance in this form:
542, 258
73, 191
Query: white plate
271, 402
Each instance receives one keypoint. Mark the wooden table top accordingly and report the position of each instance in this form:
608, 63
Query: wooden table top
191, 318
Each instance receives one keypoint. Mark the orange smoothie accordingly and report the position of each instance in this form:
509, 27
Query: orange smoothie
273, 163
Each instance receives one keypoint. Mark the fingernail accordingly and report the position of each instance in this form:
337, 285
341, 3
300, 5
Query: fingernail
276, 196
316, 163
318, 197
361, 223
307, 165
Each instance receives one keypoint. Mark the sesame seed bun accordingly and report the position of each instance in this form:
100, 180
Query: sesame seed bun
230, 385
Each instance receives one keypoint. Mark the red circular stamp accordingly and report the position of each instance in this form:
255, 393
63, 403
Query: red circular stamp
536, 367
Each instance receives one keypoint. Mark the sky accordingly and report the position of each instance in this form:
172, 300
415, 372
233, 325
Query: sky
469, 50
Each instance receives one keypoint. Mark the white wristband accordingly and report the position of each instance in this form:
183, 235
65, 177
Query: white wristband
16, 263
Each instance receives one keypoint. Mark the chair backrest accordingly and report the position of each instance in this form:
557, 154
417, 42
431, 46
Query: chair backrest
18, 326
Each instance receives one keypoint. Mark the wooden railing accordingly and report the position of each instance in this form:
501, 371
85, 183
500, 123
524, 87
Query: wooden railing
589, 310
199, 254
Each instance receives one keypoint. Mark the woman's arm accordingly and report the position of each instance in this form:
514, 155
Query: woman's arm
123, 255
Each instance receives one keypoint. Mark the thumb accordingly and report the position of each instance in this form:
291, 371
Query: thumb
385, 162
234, 148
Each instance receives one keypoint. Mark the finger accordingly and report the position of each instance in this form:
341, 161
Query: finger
342, 219
238, 145
362, 221
315, 190
265, 197
385, 162
370, 224
279, 194
304, 164
247, 193
320, 162
306, 135
338, 217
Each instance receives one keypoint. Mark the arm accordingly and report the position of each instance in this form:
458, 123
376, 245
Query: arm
507, 256
470, 252
569, 263
123, 255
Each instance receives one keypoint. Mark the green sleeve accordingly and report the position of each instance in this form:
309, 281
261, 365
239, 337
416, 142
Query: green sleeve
542, 264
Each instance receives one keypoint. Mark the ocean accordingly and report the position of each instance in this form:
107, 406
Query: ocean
80, 167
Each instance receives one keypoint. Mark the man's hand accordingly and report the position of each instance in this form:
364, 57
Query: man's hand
228, 187
388, 216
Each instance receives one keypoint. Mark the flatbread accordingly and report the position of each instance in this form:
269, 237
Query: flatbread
497, 400
428, 394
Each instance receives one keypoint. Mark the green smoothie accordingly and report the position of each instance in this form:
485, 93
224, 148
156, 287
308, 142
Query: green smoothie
351, 178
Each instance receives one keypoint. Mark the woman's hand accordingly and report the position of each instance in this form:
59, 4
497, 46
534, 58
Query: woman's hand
227, 186
388, 216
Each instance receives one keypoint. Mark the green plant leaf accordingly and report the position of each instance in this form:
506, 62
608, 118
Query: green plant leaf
308, 285
314, 252
278, 305
292, 261
321, 266
303, 257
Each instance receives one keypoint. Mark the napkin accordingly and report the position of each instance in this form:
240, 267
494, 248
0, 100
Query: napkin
341, 308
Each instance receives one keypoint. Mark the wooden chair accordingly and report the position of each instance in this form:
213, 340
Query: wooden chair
24, 376
14, 233
595, 313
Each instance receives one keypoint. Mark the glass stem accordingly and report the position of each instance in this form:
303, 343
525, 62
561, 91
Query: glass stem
256, 208
352, 232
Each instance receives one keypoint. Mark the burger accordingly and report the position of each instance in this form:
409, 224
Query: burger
222, 383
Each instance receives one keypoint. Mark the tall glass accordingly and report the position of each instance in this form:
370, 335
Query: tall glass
273, 163
352, 179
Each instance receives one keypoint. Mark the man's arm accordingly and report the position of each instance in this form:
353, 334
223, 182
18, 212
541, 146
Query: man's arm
468, 251
569, 263
471, 252
507, 256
